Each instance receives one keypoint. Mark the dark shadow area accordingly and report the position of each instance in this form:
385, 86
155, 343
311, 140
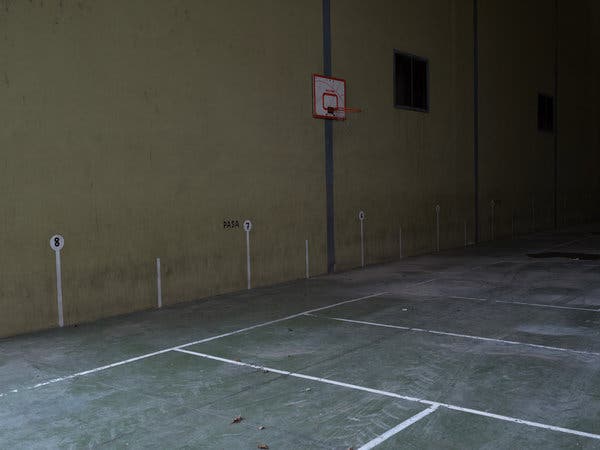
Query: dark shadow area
569, 255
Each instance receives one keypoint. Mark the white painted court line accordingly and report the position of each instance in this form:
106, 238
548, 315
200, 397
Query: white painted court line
398, 396
521, 421
541, 305
306, 377
212, 338
465, 336
398, 428
469, 298
420, 283
536, 305
99, 369
271, 322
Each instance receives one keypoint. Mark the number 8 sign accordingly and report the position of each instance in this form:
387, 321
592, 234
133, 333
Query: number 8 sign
57, 242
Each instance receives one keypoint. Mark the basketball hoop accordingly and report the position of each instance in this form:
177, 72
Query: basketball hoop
329, 98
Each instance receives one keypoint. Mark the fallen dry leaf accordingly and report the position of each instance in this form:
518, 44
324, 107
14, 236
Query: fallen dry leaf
263, 446
237, 419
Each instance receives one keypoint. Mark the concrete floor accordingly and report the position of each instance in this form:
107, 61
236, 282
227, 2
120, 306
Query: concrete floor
502, 351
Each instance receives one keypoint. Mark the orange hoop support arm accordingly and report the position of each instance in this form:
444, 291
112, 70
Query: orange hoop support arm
331, 109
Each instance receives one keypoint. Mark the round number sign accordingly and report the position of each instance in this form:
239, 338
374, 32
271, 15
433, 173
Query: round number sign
57, 242
361, 215
247, 225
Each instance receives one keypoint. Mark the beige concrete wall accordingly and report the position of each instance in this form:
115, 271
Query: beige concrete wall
518, 41
578, 111
396, 164
517, 44
134, 128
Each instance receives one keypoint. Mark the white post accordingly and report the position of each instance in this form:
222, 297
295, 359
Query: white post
307, 266
158, 284
57, 242
493, 206
248, 268
247, 228
59, 297
361, 218
512, 226
533, 213
400, 241
362, 244
437, 225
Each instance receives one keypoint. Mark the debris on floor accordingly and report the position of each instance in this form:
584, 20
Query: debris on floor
262, 427
237, 419
263, 446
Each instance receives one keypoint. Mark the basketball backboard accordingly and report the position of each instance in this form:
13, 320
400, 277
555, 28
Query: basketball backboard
329, 98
